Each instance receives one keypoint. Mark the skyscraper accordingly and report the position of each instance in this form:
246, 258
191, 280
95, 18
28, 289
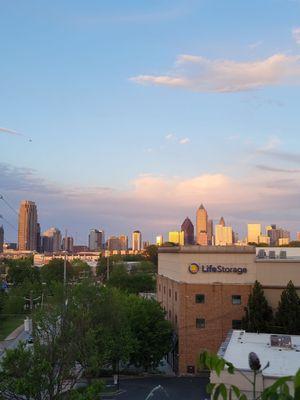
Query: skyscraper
254, 232
210, 232
27, 229
188, 228
51, 240
136, 241
201, 226
38, 238
68, 244
223, 234
123, 242
159, 240
96, 239
176, 237
1, 238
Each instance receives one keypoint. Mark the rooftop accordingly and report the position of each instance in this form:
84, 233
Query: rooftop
283, 360
208, 249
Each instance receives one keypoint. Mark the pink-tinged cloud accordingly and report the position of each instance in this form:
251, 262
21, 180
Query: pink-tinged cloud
201, 74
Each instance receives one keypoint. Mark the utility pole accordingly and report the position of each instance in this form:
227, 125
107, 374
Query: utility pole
65, 259
107, 268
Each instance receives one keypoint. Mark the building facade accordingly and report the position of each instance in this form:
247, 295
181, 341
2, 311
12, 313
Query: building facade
176, 237
136, 241
204, 291
51, 241
1, 238
188, 228
201, 226
96, 240
27, 227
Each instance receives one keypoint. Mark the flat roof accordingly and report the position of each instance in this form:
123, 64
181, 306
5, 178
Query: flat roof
283, 361
208, 249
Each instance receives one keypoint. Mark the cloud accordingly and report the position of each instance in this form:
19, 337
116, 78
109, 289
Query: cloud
272, 143
201, 74
10, 131
184, 140
282, 155
152, 203
296, 34
275, 169
255, 44
170, 136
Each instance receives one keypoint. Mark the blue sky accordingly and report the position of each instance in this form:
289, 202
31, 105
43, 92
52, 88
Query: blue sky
139, 111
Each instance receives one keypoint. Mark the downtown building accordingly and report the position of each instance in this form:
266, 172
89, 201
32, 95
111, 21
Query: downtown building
204, 290
28, 226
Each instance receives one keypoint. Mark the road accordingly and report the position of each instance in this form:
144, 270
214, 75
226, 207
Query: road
163, 388
13, 343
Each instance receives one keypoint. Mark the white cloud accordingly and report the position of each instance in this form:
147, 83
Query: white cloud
296, 34
184, 140
201, 74
170, 136
272, 143
255, 44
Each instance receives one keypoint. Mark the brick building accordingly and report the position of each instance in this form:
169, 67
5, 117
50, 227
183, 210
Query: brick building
204, 290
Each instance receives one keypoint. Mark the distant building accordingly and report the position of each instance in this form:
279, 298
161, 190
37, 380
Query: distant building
201, 226
38, 238
187, 228
284, 241
1, 238
298, 237
263, 239
254, 232
210, 232
159, 240
223, 234
136, 241
177, 237
27, 227
68, 244
123, 242
96, 240
51, 240
275, 234
146, 244
113, 243
81, 248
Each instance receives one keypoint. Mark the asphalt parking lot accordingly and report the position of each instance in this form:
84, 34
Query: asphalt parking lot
162, 388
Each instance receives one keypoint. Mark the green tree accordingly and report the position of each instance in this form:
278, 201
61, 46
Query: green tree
20, 271
259, 314
152, 254
54, 271
287, 318
151, 331
81, 269
135, 282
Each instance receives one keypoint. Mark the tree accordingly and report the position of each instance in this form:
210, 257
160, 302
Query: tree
152, 254
81, 269
135, 282
54, 271
151, 331
259, 314
20, 271
287, 318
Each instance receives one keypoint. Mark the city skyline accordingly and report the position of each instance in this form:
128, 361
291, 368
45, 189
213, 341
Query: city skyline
210, 112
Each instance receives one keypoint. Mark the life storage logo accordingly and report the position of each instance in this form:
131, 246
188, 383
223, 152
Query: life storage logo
194, 268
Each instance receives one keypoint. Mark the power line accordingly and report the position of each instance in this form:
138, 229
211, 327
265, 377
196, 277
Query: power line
8, 223
7, 203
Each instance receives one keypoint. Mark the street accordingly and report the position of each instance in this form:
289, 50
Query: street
163, 388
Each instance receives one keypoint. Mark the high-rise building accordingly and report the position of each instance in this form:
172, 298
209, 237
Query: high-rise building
68, 244
210, 232
51, 240
223, 234
113, 243
1, 238
187, 228
123, 242
177, 237
298, 237
275, 234
201, 226
96, 239
159, 240
136, 241
27, 229
254, 232
38, 238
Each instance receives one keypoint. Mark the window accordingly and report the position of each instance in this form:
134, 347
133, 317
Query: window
170, 292
236, 299
200, 298
200, 323
190, 369
159, 287
170, 314
176, 319
175, 296
164, 290
236, 324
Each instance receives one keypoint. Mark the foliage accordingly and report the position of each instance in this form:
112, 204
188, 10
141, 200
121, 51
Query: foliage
92, 392
278, 391
19, 271
135, 282
81, 269
152, 254
54, 271
259, 314
151, 331
288, 312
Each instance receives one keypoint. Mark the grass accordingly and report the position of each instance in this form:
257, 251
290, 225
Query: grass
9, 324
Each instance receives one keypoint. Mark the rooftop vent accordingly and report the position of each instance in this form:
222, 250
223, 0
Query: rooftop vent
282, 254
282, 341
261, 253
272, 254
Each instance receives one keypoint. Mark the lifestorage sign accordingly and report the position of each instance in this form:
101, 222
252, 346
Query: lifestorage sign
194, 268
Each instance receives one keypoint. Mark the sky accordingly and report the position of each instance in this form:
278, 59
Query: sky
129, 114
